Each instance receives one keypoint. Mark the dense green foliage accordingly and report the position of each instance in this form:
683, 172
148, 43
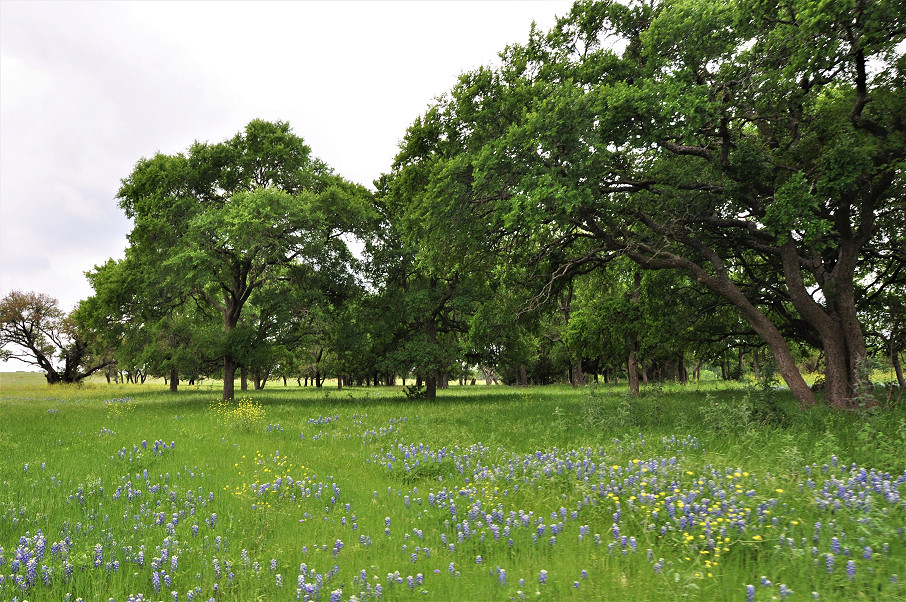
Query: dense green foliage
757, 147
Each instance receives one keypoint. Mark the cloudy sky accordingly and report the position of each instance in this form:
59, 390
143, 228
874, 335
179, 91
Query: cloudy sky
89, 88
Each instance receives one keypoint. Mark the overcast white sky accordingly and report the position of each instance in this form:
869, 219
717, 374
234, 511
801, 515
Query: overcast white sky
89, 88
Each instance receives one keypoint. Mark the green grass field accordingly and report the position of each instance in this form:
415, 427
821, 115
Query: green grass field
489, 493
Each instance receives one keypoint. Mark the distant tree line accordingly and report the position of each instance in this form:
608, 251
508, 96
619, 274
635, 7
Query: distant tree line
644, 192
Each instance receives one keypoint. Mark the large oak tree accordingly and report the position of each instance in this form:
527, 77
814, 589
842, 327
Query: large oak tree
34, 330
757, 146
226, 221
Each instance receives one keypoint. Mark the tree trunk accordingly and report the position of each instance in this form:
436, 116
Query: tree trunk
632, 363
431, 376
756, 368
174, 379
229, 377
523, 376
837, 324
895, 360
632, 366
681, 368
243, 379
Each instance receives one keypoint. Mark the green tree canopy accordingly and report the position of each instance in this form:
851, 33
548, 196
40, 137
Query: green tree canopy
757, 146
226, 222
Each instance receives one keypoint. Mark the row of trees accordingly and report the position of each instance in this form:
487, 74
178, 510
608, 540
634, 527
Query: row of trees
644, 190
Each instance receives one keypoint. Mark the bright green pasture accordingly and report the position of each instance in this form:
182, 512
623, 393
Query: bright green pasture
488, 493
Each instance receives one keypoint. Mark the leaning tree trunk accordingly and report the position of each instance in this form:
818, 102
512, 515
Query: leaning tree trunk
837, 325
721, 284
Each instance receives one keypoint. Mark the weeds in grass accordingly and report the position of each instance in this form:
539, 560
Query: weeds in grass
244, 414
764, 399
726, 415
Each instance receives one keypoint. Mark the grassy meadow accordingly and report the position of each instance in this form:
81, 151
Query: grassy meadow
128, 492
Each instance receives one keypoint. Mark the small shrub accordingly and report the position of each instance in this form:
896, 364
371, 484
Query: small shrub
415, 392
764, 401
726, 416
598, 413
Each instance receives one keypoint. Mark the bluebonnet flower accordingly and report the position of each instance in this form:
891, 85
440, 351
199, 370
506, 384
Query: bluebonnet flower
542, 577
829, 563
31, 574
750, 593
851, 569
784, 591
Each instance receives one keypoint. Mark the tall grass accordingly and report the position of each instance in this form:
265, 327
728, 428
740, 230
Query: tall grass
487, 493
